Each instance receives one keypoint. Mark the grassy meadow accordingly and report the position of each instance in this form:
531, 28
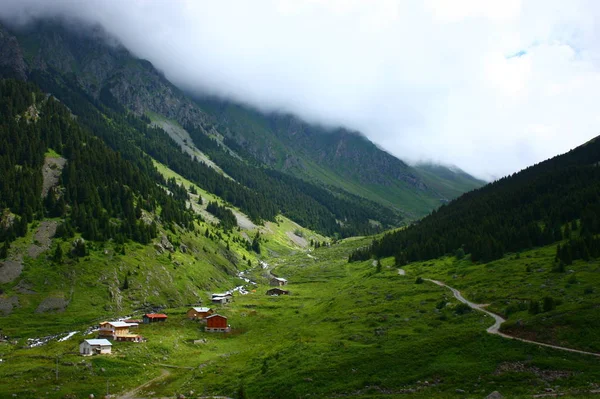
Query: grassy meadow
346, 330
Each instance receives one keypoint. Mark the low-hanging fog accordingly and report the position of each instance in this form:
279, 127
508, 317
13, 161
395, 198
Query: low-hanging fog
489, 86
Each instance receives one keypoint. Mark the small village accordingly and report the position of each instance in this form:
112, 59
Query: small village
126, 330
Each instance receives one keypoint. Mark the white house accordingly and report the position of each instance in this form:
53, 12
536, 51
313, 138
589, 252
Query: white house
91, 347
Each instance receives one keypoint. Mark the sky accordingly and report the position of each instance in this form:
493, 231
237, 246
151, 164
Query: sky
489, 86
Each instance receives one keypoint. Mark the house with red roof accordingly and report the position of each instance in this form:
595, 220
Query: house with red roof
154, 318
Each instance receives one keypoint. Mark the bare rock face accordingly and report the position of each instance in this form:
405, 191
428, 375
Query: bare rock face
51, 172
166, 244
10, 269
12, 64
495, 395
42, 238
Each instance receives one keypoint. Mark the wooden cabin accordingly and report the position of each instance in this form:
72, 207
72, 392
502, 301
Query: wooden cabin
222, 298
277, 292
91, 347
277, 281
154, 318
217, 323
201, 313
119, 331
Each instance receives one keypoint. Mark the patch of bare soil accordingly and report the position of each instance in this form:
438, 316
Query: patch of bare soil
243, 221
182, 137
51, 172
520, 367
300, 241
10, 269
42, 239
52, 305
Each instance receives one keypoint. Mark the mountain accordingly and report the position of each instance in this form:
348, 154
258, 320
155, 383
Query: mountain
339, 160
116, 202
451, 182
515, 213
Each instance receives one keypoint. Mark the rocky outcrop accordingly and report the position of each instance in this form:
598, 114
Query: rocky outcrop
12, 64
8, 304
101, 66
52, 305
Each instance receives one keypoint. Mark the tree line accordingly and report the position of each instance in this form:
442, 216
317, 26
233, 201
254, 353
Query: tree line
100, 192
531, 208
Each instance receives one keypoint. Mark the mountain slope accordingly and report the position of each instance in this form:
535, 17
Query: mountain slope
337, 159
451, 182
537, 206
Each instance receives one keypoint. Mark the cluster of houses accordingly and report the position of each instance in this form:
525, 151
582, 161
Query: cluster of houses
117, 331
277, 282
121, 330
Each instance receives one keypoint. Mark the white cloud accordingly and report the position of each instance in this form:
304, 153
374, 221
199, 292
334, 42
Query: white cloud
491, 86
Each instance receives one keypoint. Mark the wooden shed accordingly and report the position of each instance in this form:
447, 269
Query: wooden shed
154, 318
222, 298
217, 323
277, 291
199, 313
91, 347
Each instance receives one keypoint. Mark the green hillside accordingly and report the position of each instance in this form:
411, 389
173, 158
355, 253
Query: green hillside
354, 330
451, 183
338, 158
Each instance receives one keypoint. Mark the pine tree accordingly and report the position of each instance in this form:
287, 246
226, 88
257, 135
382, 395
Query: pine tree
256, 243
4, 250
58, 254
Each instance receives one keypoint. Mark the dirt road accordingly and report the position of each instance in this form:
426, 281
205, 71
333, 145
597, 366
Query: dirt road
495, 328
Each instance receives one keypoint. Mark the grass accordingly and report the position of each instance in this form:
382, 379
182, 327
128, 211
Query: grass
509, 284
52, 154
344, 330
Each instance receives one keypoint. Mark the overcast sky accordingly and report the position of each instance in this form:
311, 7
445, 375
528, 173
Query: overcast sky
491, 87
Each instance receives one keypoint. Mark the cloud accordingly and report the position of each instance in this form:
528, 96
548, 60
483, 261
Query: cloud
490, 86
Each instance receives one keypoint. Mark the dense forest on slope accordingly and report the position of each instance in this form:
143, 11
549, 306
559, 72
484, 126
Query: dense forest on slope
259, 192
342, 162
308, 204
100, 192
517, 212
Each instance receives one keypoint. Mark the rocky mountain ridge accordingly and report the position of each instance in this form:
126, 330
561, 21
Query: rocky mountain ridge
339, 159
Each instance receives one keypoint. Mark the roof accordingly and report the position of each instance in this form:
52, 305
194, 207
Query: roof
117, 323
222, 294
202, 310
156, 315
279, 279
216, 315
102, 342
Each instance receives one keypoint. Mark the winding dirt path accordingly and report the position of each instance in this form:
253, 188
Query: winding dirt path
495, 328
133, 394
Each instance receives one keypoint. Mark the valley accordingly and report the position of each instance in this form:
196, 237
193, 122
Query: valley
122, 195
345, 329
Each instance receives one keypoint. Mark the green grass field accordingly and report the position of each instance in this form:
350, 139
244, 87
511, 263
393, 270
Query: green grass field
345, 330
